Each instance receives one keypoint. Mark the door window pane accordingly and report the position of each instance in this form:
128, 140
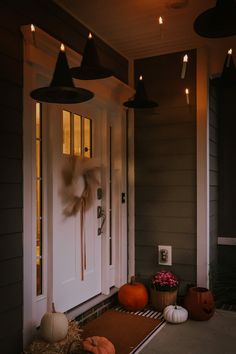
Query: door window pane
87, 137
77, 135
66, 133
39, 235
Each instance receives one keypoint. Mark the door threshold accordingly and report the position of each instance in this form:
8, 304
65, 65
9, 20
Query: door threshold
92, 307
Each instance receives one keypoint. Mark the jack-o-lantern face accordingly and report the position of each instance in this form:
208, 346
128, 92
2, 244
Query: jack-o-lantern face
200, 303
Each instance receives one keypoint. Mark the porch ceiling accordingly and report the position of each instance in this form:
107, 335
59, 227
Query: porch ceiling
131, 27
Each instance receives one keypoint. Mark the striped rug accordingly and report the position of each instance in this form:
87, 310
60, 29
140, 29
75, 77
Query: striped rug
128, 331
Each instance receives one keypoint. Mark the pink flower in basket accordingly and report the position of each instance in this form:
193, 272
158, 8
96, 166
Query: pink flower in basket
164, 281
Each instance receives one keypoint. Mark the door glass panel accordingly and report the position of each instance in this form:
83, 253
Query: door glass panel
38, 161
66, 133
87, 137
77, 135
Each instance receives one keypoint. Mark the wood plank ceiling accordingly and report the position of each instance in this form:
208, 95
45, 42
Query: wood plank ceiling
131, 27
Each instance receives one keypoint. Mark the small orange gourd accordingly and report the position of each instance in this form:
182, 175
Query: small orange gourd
133, 296
98, 345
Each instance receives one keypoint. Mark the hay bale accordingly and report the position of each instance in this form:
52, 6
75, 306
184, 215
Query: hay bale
39, 346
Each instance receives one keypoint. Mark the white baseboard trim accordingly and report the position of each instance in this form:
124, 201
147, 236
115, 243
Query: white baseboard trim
227, 241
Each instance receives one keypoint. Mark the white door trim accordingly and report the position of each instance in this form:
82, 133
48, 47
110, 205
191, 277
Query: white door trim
202, 169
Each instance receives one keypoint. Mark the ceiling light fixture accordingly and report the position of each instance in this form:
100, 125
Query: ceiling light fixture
140, 99
61, 89
90, 68
217, 22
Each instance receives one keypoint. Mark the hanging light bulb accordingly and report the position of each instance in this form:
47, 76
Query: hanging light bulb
140, 99
61, 89
217, 22
90, 68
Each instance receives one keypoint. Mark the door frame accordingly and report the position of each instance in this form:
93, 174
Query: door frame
110, 94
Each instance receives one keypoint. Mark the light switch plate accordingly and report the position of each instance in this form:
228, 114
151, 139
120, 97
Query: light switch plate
165, 255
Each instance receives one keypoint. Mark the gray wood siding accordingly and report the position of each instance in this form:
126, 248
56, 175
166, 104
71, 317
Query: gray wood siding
165, 169
214, 184
64, 27
11, 204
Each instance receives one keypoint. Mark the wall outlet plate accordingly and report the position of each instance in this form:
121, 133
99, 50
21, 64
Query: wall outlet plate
165, 255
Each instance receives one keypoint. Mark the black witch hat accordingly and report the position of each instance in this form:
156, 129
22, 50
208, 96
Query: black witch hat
61, 89
90, 68
140, 99
217, 22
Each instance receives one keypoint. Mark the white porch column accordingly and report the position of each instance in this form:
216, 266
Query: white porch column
202, 169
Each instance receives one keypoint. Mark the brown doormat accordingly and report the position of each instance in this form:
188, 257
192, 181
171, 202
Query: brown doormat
127, 331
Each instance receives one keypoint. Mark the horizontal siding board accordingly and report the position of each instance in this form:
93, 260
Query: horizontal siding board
214, 193
166, 162
179, 256
11, 120
146, 268
11, 171
166, 147
214, 207
10, 221
11, 44
11, 69
11, 297
165, 193
154, 238
164, 115
157, 208
169, 224
214, 164
11, 271
10, 95
11, 322
214, 178
164, 132
11, 246
11, 146
11, 196
166, 178
213, 134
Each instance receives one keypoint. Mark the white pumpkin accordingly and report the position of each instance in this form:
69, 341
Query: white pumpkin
53, 326
175, 314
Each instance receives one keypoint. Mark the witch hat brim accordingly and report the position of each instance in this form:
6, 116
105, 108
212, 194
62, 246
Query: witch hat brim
217, 22
61, 94
140, 99
90, 68
135, 103
61, 89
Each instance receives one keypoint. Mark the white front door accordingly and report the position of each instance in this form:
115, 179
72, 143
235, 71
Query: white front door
75, 243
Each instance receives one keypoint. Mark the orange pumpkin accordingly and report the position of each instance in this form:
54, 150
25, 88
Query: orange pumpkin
98, 345
133, 296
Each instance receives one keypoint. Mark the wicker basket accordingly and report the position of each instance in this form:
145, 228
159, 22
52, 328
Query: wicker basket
161, 299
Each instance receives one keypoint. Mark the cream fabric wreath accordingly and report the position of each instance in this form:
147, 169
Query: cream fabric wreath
79, 179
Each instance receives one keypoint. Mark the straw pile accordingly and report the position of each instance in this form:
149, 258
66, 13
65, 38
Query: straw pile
69, 345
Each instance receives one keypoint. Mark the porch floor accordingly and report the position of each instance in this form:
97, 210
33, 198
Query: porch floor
216, 336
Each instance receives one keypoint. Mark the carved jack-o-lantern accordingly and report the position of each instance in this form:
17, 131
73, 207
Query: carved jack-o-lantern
200, 303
